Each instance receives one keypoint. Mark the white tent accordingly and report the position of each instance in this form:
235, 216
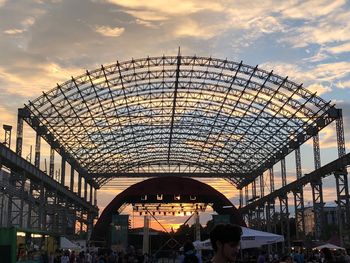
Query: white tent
67, 244
330, 246
250, 238
254, 238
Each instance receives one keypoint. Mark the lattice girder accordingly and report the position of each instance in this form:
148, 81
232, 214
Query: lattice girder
227, 116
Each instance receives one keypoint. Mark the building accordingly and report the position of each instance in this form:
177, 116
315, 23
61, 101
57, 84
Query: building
330, 217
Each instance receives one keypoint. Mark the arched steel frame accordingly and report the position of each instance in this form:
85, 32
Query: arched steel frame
212, 115
168, 187
172, 116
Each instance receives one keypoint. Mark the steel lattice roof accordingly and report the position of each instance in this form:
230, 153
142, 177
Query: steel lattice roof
194, 114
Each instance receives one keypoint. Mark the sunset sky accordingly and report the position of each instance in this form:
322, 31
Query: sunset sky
46, 42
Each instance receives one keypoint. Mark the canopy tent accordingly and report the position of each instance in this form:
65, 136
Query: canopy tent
254, 238
250, 238
67, 244
329, 246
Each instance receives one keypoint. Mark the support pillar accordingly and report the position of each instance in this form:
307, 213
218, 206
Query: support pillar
52, 162
63, 170
248, 216
299, 199
7, 141
270, 208
19, 139
240, 198
42, 213
341, 179
37, 150
85, 190
90, 198
79, 185
284, 210
260, 208
71, 178
317, 192
145, 243
253, 213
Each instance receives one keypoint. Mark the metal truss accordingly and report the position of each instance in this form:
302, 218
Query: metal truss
284, 219
299, 198
214, 115
270, 206
32, 200
322, 172
317, 192
342, 186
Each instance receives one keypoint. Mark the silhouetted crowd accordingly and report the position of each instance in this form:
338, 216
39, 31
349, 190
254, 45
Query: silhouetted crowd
100, 256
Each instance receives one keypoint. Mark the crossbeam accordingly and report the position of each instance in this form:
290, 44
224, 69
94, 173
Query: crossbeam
182, 174
324, 171
13, 161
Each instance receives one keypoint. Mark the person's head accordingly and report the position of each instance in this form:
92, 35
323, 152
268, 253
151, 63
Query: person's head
188, 246
327, 254
225, 240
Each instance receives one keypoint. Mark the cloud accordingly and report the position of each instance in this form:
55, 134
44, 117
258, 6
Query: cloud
142, 15
13, 31
191, 28
110, 31
344, 84
29, 21
168, 9
323, 30
339, 49
318, 88
309, 10
320, 77
25, 83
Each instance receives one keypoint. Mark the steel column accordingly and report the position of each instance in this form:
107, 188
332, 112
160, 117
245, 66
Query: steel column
7, 141
79, 185
285, 229
19, 139
342, 185
317, 192
52, 162
246, 193
261, 208
253, 213
63, 171
85, 190
284, 211
270, 208
42, 213
248, 218
299, 198
240, 198
90, 198
37, 150
71, 178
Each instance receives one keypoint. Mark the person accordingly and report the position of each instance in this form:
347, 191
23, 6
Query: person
225, 239
190, 255
262, 257
88, 257
328, 256
65, 257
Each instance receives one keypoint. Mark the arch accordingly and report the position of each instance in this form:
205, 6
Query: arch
168, 186
224, 116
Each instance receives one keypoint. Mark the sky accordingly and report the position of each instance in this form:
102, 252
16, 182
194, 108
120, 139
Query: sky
46, 42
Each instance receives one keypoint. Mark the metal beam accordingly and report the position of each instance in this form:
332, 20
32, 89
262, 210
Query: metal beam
154, 174
13, 161
174, 102
324, 171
